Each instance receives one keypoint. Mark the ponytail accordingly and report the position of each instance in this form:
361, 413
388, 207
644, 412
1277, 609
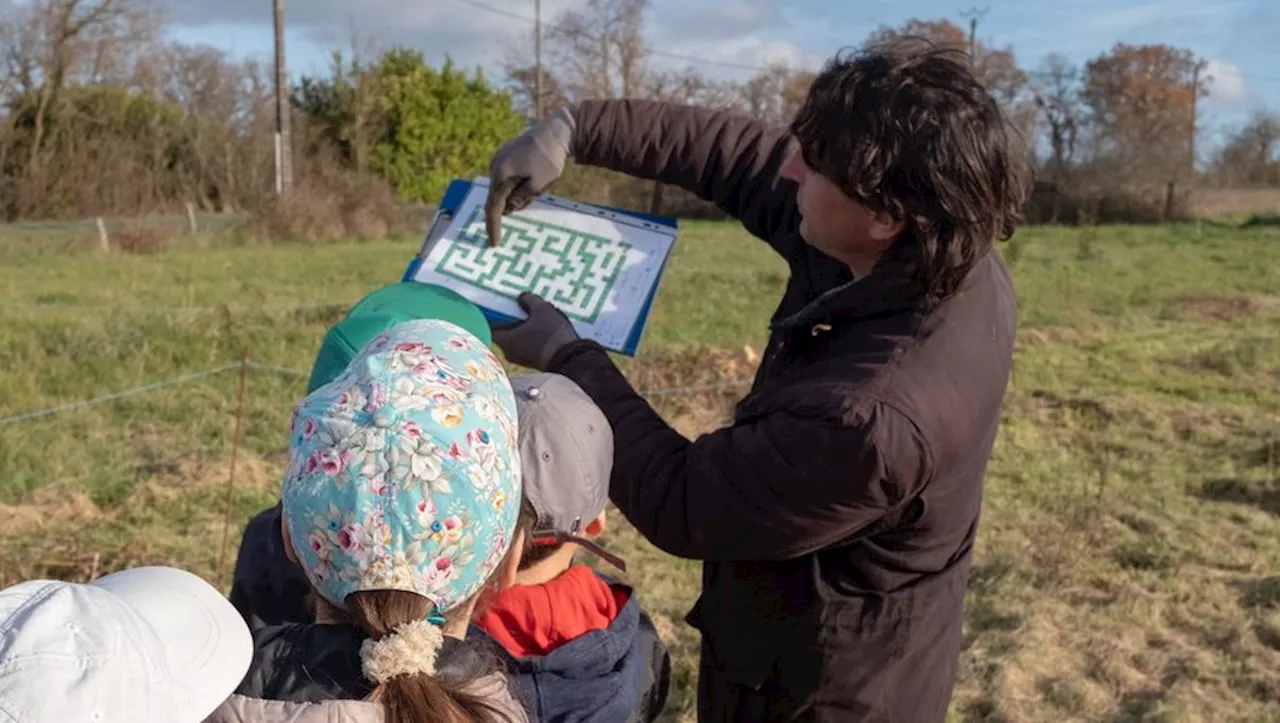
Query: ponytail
391, 618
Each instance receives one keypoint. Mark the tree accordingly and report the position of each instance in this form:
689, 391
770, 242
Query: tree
439, 124
1141, 99
133, 142
1250, 156
775, 94
596, 52
1056, 86
345, 108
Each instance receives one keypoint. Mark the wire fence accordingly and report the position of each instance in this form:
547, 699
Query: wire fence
250, 363
201, 220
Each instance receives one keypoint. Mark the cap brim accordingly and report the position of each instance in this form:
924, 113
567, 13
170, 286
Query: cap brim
206, 644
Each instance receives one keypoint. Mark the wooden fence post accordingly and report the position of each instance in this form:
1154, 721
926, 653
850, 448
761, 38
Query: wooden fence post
104, 242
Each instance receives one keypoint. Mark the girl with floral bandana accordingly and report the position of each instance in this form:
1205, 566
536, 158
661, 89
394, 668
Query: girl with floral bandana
401, 503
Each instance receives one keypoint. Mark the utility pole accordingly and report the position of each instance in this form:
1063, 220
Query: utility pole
284, 158
1191, 139
974, 15
1191, 135
537, 54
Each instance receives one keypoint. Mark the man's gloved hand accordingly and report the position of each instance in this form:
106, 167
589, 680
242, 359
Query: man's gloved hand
532, 342
525, 167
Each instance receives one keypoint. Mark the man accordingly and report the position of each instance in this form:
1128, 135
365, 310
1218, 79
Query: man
836, 516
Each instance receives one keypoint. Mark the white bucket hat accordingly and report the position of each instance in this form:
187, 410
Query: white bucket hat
147, 645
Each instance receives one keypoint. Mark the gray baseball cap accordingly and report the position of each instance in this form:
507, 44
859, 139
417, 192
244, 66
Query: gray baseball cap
566, 454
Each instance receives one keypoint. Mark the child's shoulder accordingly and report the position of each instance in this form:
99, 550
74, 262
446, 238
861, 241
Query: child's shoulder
306, 662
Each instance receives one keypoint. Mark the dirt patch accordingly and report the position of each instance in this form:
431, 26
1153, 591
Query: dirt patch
700, 420
1221, 308
195, 473
681, 369
48, 507
52, 506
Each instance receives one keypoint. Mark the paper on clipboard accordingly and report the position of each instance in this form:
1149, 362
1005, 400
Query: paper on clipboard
600, 267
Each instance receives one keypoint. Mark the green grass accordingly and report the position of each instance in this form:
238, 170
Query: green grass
1126, 569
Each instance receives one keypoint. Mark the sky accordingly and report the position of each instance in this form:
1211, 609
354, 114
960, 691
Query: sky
735, 35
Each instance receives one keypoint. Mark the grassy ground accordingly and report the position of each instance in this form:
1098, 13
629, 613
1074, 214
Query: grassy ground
1127, 567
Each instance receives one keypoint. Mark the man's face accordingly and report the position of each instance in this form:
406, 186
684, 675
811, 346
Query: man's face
834, 223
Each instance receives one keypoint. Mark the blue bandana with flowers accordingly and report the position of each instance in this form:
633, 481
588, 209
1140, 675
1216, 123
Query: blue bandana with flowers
404, 472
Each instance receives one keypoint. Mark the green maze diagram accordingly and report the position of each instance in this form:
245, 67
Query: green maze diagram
574, 270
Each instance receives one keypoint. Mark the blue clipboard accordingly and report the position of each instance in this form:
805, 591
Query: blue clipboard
457, 192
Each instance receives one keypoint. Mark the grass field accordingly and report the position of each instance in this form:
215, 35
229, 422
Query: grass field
1127, 568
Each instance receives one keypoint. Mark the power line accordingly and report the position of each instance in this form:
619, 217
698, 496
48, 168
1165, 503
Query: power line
656, 53
973, 14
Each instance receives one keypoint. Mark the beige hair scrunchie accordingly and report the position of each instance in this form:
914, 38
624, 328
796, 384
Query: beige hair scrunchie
410, 650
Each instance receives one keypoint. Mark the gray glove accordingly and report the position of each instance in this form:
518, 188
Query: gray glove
533, 342
525, 167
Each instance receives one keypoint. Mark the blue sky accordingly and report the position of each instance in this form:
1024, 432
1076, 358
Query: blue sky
1231, 34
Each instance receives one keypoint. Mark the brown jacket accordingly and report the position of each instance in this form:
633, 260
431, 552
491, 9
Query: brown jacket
837, 514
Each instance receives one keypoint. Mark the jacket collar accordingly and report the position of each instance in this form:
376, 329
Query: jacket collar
883, 291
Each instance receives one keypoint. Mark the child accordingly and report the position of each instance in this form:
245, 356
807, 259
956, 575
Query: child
579, 647
145, 645
271, 594
400, 504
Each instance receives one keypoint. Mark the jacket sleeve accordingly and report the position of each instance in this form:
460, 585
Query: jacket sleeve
727, 159
773, 489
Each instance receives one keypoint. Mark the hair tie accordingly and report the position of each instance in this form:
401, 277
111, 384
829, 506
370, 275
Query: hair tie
410, 650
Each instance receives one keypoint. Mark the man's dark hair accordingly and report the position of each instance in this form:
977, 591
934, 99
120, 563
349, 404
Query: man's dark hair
907, 128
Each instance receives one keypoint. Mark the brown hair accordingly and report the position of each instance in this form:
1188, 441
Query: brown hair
906, 128
441, 697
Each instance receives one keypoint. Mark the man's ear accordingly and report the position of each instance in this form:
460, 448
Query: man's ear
288, 542
596, 527
885, 229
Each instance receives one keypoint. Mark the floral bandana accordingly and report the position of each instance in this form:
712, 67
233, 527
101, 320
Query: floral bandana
404, 472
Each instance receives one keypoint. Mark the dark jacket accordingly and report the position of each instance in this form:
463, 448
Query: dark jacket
619, 673
312, 673
837, 513
266, 587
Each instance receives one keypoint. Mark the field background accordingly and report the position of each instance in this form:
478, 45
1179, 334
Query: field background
1127, 566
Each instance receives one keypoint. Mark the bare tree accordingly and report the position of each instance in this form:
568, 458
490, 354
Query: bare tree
775, 94
1056, 84
55, 41
1251, 155
596, 52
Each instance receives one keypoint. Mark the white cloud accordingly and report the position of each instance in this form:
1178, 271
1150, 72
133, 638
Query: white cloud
737, 32
469, 34
1228, 87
